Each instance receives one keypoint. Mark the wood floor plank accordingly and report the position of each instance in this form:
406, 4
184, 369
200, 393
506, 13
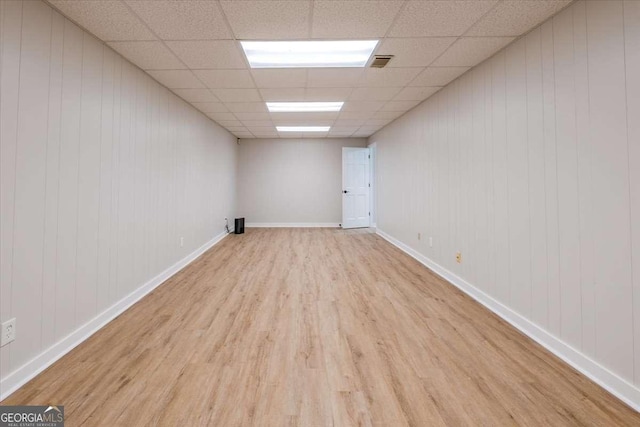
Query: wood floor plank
315, 327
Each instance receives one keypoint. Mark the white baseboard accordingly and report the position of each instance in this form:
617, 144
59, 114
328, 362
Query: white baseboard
26, 372
292, 225
614, 384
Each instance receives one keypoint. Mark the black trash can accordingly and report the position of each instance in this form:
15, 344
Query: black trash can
239, 227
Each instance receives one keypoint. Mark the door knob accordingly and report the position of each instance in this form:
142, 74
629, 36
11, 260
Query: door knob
345, 191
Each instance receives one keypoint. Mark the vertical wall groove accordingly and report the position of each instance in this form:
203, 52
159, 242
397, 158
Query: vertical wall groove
89, 153
562, 198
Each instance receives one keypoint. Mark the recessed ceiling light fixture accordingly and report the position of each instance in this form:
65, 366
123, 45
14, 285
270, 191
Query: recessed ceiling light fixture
303, 128
308, 54
303, 107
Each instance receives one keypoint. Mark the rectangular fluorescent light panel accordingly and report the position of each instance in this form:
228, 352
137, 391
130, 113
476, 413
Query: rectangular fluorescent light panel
308, 54
303, 128
303, 107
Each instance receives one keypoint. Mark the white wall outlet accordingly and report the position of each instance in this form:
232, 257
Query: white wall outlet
8, 332
430, 241
181, 241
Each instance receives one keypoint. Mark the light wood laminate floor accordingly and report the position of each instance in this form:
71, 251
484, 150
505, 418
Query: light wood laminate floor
315, 327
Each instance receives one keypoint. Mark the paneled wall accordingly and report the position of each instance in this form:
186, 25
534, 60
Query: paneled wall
291, 180
103, 172
529, 165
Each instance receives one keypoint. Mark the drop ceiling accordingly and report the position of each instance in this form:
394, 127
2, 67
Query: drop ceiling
193, 48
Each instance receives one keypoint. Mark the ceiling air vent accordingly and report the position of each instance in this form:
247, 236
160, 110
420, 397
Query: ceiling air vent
379, 61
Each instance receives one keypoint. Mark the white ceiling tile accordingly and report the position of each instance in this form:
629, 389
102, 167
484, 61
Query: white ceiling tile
352, 19
210, 107
196, 95
148, 55
354, 115
469, 51
414, 52
339, 134
387, 114
374, 93
268, 20
247, 107
362, 134
333, 77
225, 78
237, 129
438, 76
399, 105
315, 135
199, 55
381, 77
237, 95
438, 18
348, 123
280, 77
226, 123
327, 93
257, 124
303, 123
370, 128
290, 135
222, 116
176, 79
416, 93
245, 135
283, 94
182, 20
371, 123
266, 127
266, 133
108, 19
209, 54
351, 129
304, 117
513, 18
362, 105
253, 116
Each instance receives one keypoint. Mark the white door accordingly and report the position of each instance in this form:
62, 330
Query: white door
355, 187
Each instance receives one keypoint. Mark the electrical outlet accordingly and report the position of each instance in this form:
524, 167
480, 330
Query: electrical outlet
419, 236
430, 241
181, 241
459, 257
8, 332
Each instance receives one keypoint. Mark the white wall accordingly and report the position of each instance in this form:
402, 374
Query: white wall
102, 171
292, 181
529, 165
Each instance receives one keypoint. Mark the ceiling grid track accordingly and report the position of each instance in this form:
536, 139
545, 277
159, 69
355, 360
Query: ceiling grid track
195, 51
